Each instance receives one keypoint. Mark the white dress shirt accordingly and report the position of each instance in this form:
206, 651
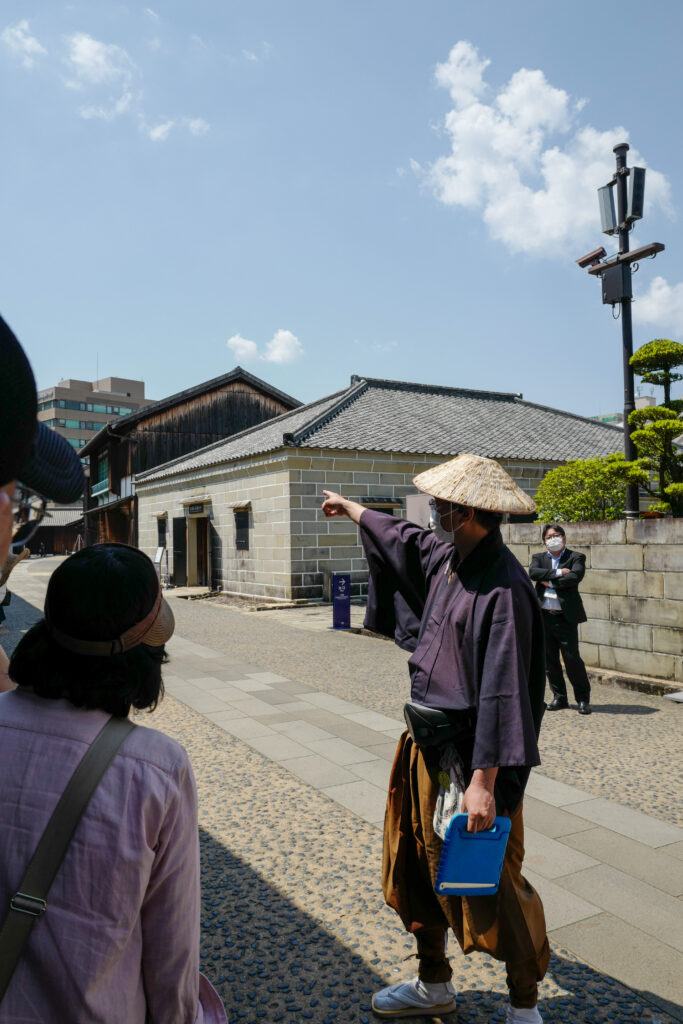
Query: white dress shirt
551, 601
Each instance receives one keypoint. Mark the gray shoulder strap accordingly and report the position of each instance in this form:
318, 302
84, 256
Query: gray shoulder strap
30, 902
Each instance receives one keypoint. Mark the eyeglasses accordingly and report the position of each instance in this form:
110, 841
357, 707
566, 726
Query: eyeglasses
29, 511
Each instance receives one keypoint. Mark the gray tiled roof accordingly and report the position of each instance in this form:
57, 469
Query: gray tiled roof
62, 516
380, 415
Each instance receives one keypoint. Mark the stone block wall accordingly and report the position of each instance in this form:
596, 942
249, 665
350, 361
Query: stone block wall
263, 571
632, 592
319, 544
322, 545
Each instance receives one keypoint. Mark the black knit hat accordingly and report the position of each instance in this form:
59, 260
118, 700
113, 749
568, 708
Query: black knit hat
29, 451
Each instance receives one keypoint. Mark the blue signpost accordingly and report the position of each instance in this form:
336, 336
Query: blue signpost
341, 600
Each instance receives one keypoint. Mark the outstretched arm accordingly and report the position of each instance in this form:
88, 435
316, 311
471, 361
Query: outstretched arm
401, 557
335, 505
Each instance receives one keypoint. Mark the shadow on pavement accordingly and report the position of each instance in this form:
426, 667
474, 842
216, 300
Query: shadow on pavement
275, 964
270, 961
623, 709
20, 616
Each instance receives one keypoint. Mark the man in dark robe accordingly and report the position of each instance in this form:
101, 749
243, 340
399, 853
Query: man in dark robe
469, 614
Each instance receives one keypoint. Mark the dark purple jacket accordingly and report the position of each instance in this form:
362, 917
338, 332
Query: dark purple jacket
476, 632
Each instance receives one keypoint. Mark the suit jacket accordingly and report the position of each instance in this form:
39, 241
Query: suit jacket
567, 586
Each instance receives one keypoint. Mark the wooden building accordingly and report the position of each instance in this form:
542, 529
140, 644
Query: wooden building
59, 532
162, 432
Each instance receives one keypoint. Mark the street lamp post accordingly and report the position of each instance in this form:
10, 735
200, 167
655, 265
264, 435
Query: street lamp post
632, 502
615, 273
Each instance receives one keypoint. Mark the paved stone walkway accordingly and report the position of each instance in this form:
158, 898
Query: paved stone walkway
292, 782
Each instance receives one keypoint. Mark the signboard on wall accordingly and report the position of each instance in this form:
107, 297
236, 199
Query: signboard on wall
195, 510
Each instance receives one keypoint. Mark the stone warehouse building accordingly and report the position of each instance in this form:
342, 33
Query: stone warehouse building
254, 498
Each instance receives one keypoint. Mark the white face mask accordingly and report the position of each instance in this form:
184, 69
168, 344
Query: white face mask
437, 527
555, 543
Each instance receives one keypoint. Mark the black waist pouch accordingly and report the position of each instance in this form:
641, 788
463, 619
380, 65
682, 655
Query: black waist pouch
430, 727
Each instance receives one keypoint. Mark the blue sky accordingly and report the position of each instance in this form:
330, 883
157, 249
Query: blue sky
314, 189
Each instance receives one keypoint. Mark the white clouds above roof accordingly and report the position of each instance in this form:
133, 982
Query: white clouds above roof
283, 347
244, 349
535, 192
19, 40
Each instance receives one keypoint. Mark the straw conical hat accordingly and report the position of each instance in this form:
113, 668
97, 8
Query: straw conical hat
477, 482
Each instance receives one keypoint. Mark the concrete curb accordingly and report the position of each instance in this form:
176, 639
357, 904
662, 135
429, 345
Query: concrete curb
643, 684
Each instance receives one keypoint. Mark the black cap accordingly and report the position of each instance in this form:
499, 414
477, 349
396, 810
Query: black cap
29, 451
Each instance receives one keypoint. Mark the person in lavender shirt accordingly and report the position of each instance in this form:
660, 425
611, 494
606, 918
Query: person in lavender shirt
467, 611
119, 940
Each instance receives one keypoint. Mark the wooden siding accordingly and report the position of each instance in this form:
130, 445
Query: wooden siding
167, 435
162, 436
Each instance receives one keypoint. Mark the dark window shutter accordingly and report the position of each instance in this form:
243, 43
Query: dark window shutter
242, 529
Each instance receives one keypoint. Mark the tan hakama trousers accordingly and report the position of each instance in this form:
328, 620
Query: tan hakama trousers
509, 925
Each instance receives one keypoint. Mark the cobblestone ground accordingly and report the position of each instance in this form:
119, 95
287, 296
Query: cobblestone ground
294, 926
629, 750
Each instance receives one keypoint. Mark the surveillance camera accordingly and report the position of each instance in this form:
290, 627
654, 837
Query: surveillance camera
591, 259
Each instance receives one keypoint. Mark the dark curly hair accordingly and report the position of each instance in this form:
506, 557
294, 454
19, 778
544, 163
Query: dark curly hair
95, 594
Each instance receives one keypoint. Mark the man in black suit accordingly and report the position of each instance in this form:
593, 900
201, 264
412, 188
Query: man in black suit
557, 573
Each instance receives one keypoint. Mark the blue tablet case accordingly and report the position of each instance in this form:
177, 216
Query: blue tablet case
471, 862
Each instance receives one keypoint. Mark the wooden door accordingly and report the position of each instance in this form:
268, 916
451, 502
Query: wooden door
202, 551
179, 551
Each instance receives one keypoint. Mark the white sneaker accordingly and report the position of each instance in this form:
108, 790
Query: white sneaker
515, 1015
415, 999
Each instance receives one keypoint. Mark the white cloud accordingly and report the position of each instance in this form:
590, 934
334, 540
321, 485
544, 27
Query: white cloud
283, 347
196, 125
151, 14
97, 63
104, 70
115, 109
105, 76
661, 306
243, 348
155, 44
254, 57
160, 132
535, 195
20, 41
